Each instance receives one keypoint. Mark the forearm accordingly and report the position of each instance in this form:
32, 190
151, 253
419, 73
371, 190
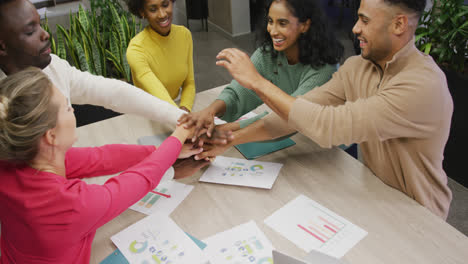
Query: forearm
120, 97
279, 101
252, 133
104, 160
217, 108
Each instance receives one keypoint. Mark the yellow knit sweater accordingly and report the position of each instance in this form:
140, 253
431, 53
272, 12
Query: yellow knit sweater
161, 65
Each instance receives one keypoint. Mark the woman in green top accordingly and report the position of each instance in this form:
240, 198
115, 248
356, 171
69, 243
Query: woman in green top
297, 53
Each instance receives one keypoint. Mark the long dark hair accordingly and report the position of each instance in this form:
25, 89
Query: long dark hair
318, 46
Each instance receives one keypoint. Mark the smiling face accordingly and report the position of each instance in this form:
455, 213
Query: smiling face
159, 15
22, 39
373, 29
284, 29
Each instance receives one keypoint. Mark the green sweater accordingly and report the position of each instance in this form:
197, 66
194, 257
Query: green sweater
293, 79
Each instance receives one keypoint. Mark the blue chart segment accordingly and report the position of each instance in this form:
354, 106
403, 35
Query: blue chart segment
151, 198
247, 250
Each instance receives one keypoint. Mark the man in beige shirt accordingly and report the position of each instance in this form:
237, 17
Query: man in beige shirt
392, 99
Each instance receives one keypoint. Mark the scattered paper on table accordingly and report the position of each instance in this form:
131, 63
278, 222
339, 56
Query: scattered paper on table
157, 239
153, 202
245, 243
242, 172
313, 227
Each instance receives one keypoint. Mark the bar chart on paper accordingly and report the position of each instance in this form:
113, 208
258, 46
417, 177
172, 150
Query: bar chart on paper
313, 227
165, 198
151, 198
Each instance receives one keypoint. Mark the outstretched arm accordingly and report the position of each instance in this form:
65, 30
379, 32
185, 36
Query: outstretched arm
242, 69
86, 88
252, 133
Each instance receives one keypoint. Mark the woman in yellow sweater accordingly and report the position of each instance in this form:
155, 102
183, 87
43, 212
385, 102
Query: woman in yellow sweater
160, 56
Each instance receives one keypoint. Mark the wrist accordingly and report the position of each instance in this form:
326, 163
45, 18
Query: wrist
259, 85
217, 108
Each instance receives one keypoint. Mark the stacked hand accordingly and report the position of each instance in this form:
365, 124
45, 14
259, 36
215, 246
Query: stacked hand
216, 139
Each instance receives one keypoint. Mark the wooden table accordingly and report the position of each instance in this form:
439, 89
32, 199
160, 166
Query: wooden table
399, 229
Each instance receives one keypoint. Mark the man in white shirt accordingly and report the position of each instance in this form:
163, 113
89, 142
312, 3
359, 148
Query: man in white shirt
24, 43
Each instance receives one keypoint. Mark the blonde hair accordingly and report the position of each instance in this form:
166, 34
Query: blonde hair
26, 113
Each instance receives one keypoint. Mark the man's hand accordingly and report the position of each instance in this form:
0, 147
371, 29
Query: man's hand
240, 67
187, 167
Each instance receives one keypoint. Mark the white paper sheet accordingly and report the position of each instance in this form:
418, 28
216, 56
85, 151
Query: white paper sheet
313, 227
152, 202
157, 239
242, 172
219, 121
245, 243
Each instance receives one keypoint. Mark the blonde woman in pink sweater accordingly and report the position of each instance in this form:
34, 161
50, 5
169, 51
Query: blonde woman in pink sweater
48, 214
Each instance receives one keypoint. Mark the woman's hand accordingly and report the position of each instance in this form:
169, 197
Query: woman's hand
240, 67
202, 120
211, 151
221, 135
188, 150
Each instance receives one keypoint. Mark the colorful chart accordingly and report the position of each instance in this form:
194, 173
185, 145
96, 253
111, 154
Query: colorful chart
242, 169
242, 244
242, 172
151, 198
172, 193
323, 227
156, 239
313, 227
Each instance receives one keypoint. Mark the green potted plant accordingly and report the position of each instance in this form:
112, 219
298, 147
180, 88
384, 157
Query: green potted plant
443, 34
96, 41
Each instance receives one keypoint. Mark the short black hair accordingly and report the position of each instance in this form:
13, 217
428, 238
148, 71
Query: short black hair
416, 6
134, 6
3, 2
318, 46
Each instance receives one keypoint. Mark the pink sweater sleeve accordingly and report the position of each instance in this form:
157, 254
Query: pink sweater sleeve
95, 205
105, 160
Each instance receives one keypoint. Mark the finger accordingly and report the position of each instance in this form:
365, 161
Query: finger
196, 151
202, 156
203, 164
182, 119
237, 52
189, 123
222, 54
196, 132
210, 129
200, 142
202, 131
223, 63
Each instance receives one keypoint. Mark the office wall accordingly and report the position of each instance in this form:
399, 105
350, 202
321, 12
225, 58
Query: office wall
240, 13
220, 14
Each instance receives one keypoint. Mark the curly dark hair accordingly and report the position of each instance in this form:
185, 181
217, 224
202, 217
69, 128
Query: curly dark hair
318, 46
136, 6
416, 6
